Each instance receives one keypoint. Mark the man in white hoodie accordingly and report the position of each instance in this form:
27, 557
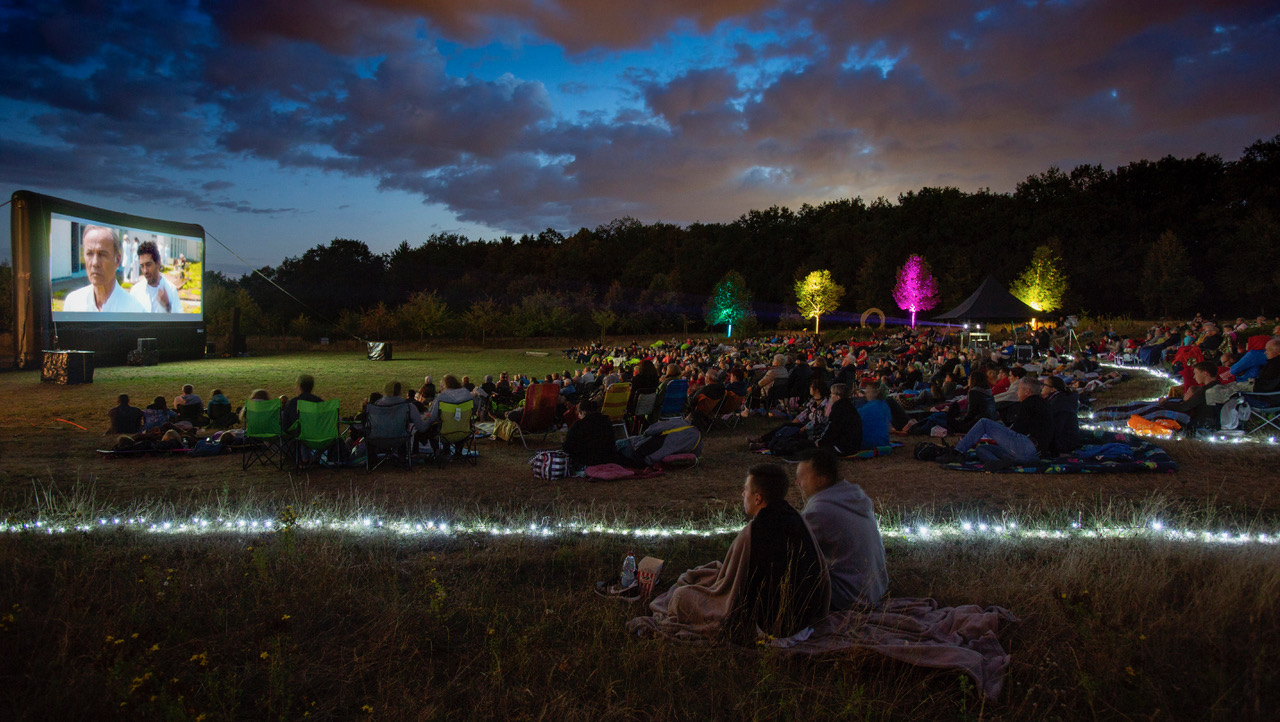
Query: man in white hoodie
843, 521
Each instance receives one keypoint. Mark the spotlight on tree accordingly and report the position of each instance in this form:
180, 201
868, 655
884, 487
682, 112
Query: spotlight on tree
916, 289
1043, 284
816, 294
729, 302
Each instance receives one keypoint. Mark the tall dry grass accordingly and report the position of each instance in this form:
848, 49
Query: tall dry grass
341, 626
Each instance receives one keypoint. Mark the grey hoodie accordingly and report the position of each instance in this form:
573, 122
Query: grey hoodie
843, 521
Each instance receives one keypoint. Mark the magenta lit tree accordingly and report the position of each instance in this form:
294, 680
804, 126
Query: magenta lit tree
916, 290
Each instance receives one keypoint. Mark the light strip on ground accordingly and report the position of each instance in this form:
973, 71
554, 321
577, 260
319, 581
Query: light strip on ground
1006, 531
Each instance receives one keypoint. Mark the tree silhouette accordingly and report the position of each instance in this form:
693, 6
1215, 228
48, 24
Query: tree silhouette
816, 294
916, 290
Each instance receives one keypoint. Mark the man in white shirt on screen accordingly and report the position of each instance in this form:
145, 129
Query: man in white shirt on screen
100, 247
153, 290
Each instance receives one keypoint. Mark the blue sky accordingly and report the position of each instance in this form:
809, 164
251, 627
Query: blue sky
280, 125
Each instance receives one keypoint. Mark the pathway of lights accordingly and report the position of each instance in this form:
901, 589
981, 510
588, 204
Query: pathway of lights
1003, 530
1120, 425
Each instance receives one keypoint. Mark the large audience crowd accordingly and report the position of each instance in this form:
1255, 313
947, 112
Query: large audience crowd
1010, 403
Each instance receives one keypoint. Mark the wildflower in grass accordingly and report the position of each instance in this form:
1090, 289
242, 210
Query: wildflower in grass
264, 655
286, 617
133, 636
1131, 672
366, 709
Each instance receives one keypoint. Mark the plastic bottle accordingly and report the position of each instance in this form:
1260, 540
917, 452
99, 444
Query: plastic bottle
628, 571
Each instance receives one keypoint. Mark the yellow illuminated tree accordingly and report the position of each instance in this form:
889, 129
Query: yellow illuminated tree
1043, 284
816, 294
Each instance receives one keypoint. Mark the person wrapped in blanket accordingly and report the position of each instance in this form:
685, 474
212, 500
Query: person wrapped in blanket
773, 579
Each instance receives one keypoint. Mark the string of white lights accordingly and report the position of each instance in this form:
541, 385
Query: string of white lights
1006, 530
1121, 425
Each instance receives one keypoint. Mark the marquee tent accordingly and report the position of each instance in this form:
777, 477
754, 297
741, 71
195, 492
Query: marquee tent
991, 302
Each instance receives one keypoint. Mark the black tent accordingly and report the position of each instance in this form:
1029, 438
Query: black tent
991, 302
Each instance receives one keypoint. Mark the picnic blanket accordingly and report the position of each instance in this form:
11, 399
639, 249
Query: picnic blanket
912, 630
1102, 452
864, 454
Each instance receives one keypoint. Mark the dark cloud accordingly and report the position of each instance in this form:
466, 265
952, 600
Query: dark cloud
850, 98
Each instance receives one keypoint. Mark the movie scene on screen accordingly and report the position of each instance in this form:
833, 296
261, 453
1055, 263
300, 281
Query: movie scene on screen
104, 272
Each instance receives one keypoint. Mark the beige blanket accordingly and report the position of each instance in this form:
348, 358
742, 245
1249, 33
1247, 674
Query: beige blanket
912, 630
696, 606
917, 631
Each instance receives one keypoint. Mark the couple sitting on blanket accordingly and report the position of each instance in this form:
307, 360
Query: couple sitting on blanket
786, 570
834, 423
1045, 424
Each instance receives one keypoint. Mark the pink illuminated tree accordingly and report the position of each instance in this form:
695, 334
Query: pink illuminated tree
916, 290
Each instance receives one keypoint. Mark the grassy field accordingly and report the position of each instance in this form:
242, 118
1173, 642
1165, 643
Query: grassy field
332, 625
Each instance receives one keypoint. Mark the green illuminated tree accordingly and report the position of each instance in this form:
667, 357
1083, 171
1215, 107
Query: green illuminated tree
1043, 284
816, 294
729, 302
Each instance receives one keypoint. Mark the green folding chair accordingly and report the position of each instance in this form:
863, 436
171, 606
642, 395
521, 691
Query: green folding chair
317, 430
264, 442
458, 429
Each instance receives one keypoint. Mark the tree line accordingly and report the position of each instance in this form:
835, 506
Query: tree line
1170, 236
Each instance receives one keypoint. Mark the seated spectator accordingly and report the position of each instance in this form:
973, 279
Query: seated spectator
189, 406
157, 414
981, 404
1031, 431
737, 382
590, 440
220, 413
360, 422
1268, 378
801, 432
711, 391
773, 578
453, 393
1254, 358
426, 393
787, 586
843, 522
257, 395
125, 419
391, 397
875, 416
1064, 411
289, 412
843, 432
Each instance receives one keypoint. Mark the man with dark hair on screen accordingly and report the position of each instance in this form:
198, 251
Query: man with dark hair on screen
100, 247
154, 291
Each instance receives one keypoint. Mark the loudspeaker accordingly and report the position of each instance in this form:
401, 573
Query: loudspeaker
67, 367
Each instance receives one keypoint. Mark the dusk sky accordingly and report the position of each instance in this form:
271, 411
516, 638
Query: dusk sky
280, 124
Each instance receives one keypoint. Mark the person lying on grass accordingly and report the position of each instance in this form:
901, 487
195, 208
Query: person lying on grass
843, 522
773, 580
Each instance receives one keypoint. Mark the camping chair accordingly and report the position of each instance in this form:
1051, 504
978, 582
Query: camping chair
458, 428
390, 433
192, 413
642, 409
539, 416
1265, 406
726, 414
264, 441
317, 430
674, 399
615, 405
